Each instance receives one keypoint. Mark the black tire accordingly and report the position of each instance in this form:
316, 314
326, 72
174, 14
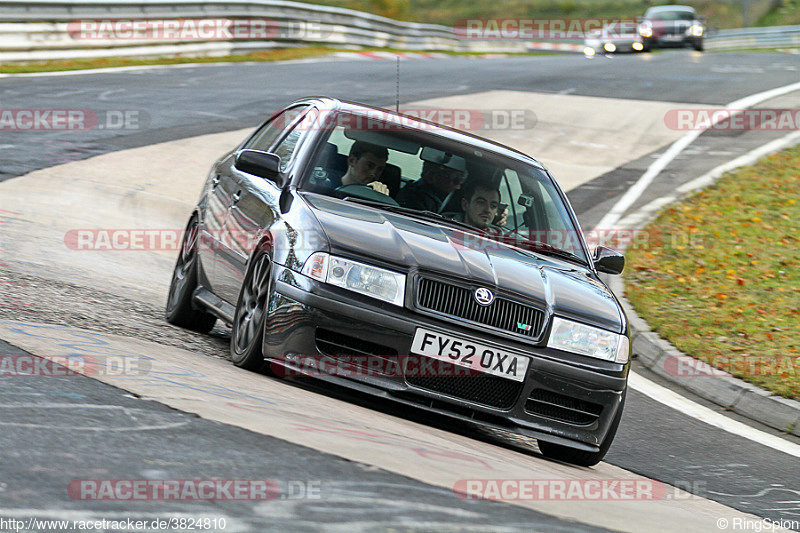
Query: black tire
581, 457
179, 310
698, 46
247, 332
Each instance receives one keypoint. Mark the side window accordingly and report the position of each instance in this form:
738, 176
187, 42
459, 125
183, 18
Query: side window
554, 210
289, 144
269, 132
510, 191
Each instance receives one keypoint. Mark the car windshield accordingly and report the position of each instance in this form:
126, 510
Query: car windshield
672, 15
416, 173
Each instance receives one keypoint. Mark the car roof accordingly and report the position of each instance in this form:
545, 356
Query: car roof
407, 121
656, 9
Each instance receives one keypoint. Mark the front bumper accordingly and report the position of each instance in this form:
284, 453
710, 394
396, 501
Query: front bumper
304, 315
620, 46
673, 41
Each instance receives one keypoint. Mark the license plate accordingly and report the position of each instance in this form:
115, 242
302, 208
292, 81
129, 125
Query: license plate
671, 38
469, 354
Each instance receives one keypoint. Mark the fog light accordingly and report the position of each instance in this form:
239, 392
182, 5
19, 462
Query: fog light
609, 47
638, 47
589, 51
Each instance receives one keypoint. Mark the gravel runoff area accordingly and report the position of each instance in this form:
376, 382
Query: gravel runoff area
95, 310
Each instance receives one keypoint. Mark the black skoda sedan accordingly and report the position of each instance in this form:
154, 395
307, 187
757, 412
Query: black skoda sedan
414, 262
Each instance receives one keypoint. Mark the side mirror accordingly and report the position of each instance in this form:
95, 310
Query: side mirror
261, 164
608, 261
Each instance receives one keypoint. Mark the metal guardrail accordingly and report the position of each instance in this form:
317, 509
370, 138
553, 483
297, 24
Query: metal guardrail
38, 29
767, 37
32, 30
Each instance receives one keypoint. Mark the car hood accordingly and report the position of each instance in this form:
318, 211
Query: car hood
562, 288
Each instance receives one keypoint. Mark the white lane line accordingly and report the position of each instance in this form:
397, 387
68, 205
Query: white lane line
704, 414
635, 219
105, 94
215, 115
747, 159
633, 194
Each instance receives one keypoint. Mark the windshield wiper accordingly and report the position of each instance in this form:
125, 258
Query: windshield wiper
428, 215
548, 249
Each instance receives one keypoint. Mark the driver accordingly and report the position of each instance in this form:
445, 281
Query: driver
365, 165
481, 205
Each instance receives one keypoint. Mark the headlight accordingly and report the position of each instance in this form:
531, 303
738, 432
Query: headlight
364, 279
587, 340
695, 30
588, 51
610, 47
646, 30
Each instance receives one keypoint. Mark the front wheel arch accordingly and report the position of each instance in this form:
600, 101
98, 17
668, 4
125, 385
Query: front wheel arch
252, 308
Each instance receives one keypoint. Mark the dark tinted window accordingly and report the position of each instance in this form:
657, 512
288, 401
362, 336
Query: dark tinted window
672, 15
533, 205
286, 148
266, 136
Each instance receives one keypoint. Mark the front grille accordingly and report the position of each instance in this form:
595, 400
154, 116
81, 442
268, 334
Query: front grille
455, 301
484, 389
563, 408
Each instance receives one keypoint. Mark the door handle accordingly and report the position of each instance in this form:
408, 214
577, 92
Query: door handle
214, 182
237, 196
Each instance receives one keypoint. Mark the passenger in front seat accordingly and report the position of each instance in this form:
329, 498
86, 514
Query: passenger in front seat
430, 190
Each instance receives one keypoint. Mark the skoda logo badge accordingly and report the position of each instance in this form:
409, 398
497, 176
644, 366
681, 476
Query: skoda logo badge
484, 296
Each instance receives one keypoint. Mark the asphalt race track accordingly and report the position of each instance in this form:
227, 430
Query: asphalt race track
341, 462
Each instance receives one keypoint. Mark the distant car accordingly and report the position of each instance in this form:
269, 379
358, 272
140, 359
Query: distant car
616, 37
665, 26
511, 328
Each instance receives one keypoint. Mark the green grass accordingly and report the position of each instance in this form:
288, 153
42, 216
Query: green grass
283, 54
786, 14
106, 62
720, 275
